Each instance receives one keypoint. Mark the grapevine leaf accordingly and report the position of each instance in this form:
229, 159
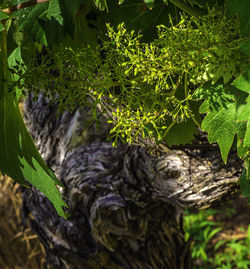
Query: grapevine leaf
221, 121
245, 184
54, 10
29, 22
19, 157
181, 133
221, 128
31, 17
15, 59
243, 81
243, 118
244, 111
247, 135
241, 7
242, 149
215, 97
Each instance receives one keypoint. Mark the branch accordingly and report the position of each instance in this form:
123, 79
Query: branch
12, 9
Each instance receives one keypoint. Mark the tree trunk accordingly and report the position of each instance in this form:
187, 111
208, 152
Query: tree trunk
125, 204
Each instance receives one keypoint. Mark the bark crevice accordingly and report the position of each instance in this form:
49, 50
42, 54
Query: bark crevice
125, 204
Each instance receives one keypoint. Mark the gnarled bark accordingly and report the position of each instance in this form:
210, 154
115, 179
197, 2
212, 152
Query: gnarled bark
125, 204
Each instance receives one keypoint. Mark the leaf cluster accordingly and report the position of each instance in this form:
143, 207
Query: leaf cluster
146, 88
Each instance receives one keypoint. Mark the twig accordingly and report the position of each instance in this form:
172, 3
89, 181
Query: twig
12, 9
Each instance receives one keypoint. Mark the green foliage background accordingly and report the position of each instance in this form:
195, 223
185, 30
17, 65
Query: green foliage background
153, 66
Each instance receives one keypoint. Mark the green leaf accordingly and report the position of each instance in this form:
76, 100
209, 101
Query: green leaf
242, 148
243, 81
54, 10
216, 96
222, 123
15, 59
1, 27
245, 46
244, 110
136, 16
82, 22
149, 3
84, 34
181, 133
241, 7
221, 128
32, 15
243, 118
19, 157
245, 184
28, 22
246, 141
3, 15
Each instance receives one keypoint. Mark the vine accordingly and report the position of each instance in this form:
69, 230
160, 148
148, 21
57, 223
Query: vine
152, 68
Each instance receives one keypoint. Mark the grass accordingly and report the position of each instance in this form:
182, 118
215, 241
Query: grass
221, 237
19, 249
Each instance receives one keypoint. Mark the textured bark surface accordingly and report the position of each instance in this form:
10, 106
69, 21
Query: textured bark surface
125, 204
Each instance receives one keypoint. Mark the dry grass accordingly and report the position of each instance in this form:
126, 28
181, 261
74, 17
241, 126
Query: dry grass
22, 250
18, 249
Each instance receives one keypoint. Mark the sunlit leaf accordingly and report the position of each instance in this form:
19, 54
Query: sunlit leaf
19, 158
54, 10
243, 81
222, 124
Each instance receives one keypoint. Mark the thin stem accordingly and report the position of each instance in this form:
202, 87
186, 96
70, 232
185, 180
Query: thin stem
177, 85
12, 9
187, 102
